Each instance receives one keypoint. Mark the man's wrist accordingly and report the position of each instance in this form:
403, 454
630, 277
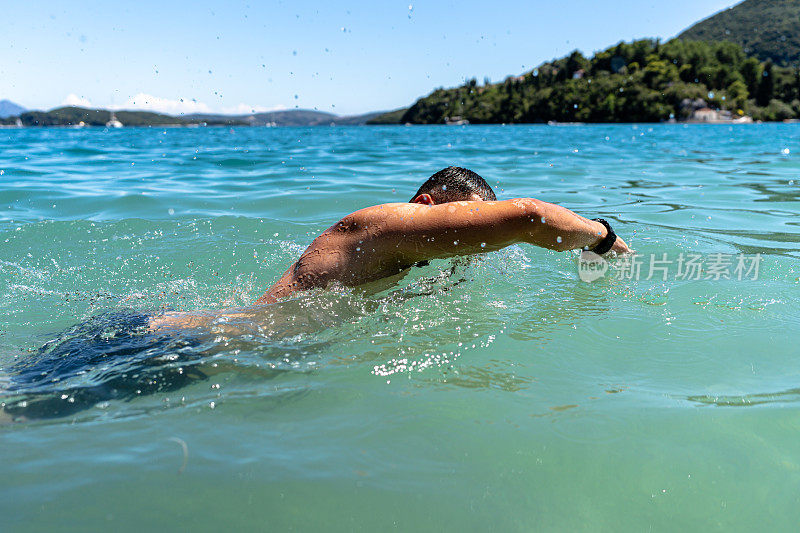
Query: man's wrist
606, 242
598, 233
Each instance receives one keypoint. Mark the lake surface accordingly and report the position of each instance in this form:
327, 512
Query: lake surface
502, 393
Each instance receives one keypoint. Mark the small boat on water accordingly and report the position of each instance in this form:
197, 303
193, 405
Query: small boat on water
113, 122
456, 120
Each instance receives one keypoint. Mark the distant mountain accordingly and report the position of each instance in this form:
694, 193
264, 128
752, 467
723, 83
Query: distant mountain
389, 117
766, 29
10, 109
641, 81
291, 117
358, 120
73, 116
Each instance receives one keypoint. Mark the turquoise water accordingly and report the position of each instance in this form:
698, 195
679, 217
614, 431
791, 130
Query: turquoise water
503, 393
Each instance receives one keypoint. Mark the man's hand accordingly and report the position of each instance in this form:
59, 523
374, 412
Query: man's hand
620, 247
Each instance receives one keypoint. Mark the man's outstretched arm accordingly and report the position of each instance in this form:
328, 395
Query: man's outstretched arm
382, 240
462, 228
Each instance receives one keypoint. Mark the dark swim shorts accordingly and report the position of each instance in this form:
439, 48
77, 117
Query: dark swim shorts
112, 356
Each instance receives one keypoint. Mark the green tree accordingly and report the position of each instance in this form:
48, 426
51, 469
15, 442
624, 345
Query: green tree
737, 94
751, 72
766, 86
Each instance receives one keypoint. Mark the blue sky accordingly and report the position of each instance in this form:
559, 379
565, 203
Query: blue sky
343, 57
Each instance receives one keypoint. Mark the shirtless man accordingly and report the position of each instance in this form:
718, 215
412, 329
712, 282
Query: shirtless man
454, 213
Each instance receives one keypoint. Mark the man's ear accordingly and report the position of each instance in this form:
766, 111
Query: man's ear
424, 199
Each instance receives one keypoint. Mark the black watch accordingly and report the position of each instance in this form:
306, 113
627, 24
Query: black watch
608, 241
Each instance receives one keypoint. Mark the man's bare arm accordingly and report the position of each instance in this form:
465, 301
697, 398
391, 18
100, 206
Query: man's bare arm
460, 228
385, 239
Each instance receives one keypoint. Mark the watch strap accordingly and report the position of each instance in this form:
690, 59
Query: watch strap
608, 241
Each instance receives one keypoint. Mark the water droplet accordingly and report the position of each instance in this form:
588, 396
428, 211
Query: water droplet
785, 151
558, 239
483, 245
543, 220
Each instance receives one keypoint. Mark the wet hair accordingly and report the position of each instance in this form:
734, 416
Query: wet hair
453, 184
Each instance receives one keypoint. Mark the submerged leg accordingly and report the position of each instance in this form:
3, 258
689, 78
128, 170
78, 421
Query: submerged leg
108, 357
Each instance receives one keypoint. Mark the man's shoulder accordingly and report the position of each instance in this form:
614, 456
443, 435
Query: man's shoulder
375, 213
382, 209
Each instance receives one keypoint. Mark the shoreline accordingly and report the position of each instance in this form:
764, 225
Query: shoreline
549, 124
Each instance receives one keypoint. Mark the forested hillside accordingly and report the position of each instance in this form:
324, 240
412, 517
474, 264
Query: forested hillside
642, 81
766, 29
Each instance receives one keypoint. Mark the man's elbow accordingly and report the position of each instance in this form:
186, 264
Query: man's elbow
534, 223
532, 210
542, 225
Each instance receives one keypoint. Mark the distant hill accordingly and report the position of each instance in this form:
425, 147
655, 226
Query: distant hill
290, 117
72, 116
641, 81
10, 109
358, 120
766, 29
390, 117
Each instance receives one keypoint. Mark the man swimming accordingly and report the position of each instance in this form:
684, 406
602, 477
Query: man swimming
454, 213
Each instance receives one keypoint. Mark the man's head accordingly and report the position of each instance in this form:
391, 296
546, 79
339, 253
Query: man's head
453, 184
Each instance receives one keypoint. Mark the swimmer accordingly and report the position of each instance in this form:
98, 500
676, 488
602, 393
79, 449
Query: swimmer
454, 213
